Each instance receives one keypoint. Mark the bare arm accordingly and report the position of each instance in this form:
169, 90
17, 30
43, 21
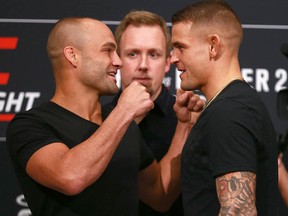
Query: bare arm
72, 170
236, 193
159, 184
283, 179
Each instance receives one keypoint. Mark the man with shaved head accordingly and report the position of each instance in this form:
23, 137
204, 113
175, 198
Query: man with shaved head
229, 163
74, 158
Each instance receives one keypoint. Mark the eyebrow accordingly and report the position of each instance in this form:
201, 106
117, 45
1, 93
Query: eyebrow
110, 45
139, 50
177, 44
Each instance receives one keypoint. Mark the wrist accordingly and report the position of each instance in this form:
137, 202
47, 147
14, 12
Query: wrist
122, 114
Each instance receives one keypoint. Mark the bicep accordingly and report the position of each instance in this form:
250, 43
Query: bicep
43, 165
236, 193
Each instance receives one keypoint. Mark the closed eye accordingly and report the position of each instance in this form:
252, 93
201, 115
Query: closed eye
109, 47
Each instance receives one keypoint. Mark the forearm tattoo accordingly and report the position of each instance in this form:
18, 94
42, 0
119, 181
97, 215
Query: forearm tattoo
236, 193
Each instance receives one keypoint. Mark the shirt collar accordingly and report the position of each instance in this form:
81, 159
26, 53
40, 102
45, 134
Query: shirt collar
162, 101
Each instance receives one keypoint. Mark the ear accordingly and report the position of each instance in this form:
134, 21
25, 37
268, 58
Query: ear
214, 46
70, 54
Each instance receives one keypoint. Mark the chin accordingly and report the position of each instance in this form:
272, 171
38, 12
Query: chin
114, 91
186, 87
109, 92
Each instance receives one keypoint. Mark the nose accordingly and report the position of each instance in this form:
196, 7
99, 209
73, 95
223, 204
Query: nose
143, 64
117, 62
174, 58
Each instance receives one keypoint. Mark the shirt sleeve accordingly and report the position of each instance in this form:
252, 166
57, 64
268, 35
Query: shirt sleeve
232, 144
147, 156
25, 135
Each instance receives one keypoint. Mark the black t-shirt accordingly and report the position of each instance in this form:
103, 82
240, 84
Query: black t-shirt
158, 126
234, 133
283, 208
114, 193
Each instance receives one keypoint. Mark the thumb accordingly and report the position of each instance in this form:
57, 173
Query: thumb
182, 97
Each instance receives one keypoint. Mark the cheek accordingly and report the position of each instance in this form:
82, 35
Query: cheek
158, 71
186, 62
190, 60
126, 74
127, 69
183, 57
129, 65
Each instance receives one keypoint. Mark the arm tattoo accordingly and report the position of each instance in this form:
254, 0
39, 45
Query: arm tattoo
236, 193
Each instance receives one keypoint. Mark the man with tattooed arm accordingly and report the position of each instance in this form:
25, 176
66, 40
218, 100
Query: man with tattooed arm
229, 162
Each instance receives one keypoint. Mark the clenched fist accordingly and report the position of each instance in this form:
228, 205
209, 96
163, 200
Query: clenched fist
188, 106
135, 100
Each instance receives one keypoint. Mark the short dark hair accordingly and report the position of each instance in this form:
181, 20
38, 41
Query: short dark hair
214, 12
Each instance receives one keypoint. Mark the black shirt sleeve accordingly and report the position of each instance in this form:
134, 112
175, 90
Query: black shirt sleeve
233, 142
